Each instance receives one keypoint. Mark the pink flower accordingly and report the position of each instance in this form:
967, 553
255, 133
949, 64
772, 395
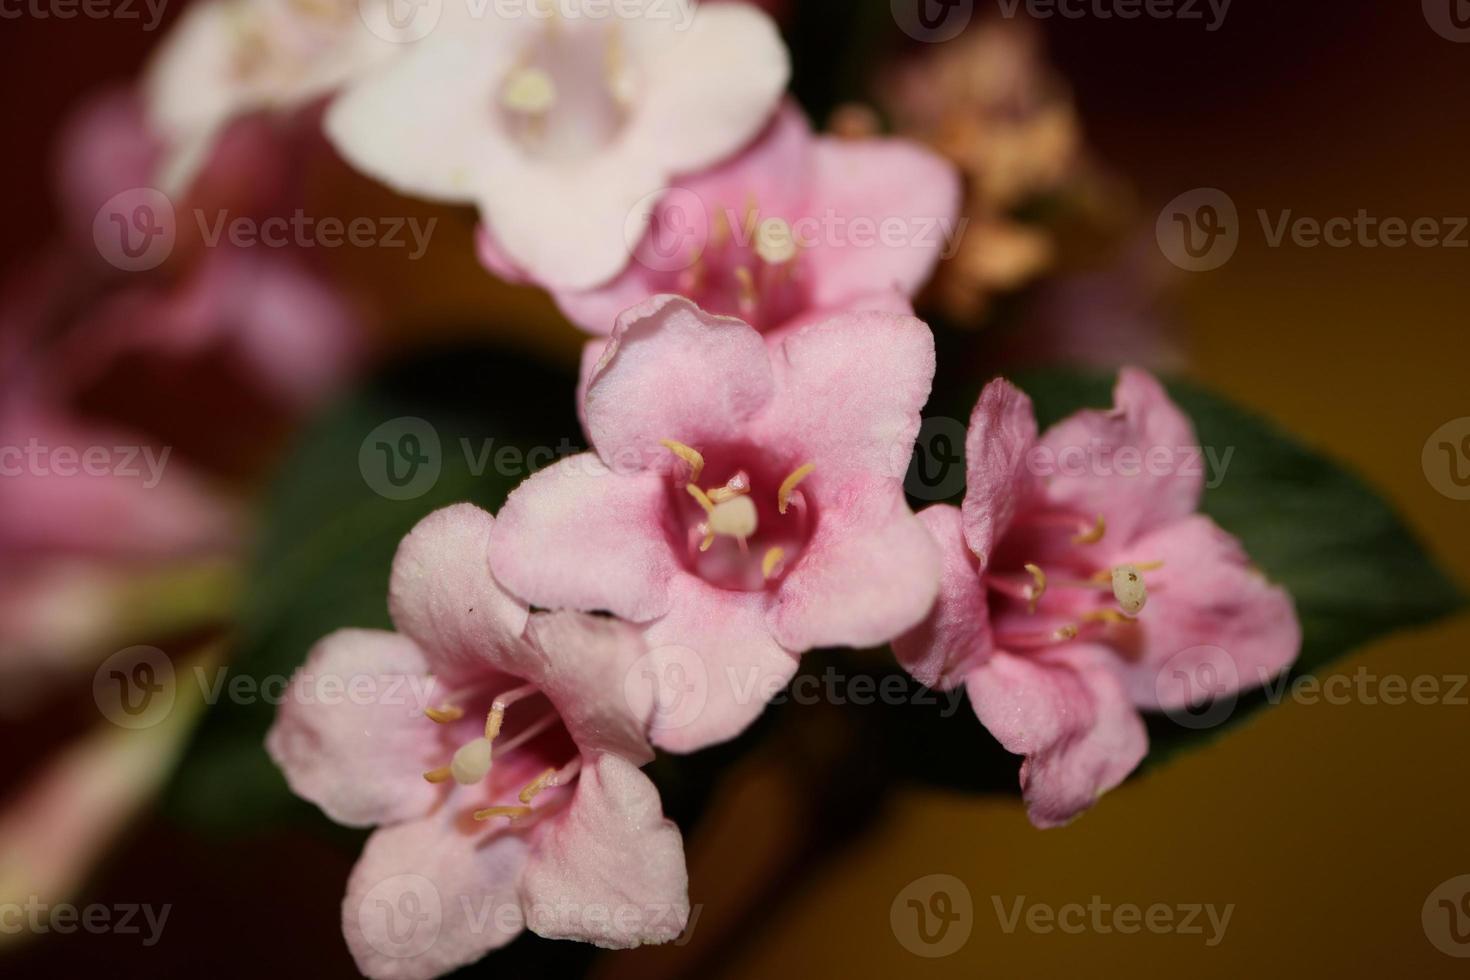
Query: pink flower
792, 230
517, 802
1077, 578
564, 130
745, 500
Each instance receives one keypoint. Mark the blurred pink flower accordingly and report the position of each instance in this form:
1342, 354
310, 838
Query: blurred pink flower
529, 725
745, 499
794, 229
565, 131
1067, 594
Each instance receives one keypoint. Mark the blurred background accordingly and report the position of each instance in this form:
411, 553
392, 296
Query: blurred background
1325, 825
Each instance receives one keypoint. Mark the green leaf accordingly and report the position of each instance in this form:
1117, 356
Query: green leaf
1353, 567
328, 537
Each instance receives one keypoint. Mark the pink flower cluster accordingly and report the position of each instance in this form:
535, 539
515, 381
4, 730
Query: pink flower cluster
751, 398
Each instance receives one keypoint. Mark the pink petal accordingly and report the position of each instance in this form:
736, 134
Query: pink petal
908, 195
997, 448
672, 371
578, 536
851, 388
1139, 499
585, 662
869, 574
432, 895
442, 595
351, 735
955, 637
1068, 715
1206, 605
715, 663
610, 870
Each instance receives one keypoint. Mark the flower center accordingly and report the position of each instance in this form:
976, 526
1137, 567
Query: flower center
475, 760
741, 521
749, 266
569, 93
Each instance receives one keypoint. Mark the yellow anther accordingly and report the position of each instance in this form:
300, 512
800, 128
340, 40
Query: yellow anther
783, 495
528, 90
444, 714
709, 539
688, 455
1038, 587
537, 785
701, 498
748, 295
1107, 616
774, 557
1068, 632
439, 775
721, 494
502, 811
1093, 534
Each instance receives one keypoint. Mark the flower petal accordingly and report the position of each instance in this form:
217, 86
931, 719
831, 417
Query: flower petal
850, 390
351, 736
672, 371
1206, 604
1001, 435
609, 871
441, 593
714, 663
955, 638
578, 536
910, 197
869, 574
1068, 715
585, 663
1133, 495
432, 895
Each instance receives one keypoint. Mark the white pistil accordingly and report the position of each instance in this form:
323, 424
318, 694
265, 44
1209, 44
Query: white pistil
1128, 589
471, 762
774, 242
733, 518
528, 90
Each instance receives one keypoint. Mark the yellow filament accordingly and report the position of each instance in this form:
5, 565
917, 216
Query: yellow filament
783, 495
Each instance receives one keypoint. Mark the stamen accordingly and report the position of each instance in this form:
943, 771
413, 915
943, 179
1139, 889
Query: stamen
774, 557
1128, 589
1107, 616
737, 485
529, 732
619, 78
701, 498
688, 455
774, 242
1038, 588
783, 495
748, 295
1093, 534
439, 775
1037, 639
511, 812
537, 785
528, 90
444, 714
